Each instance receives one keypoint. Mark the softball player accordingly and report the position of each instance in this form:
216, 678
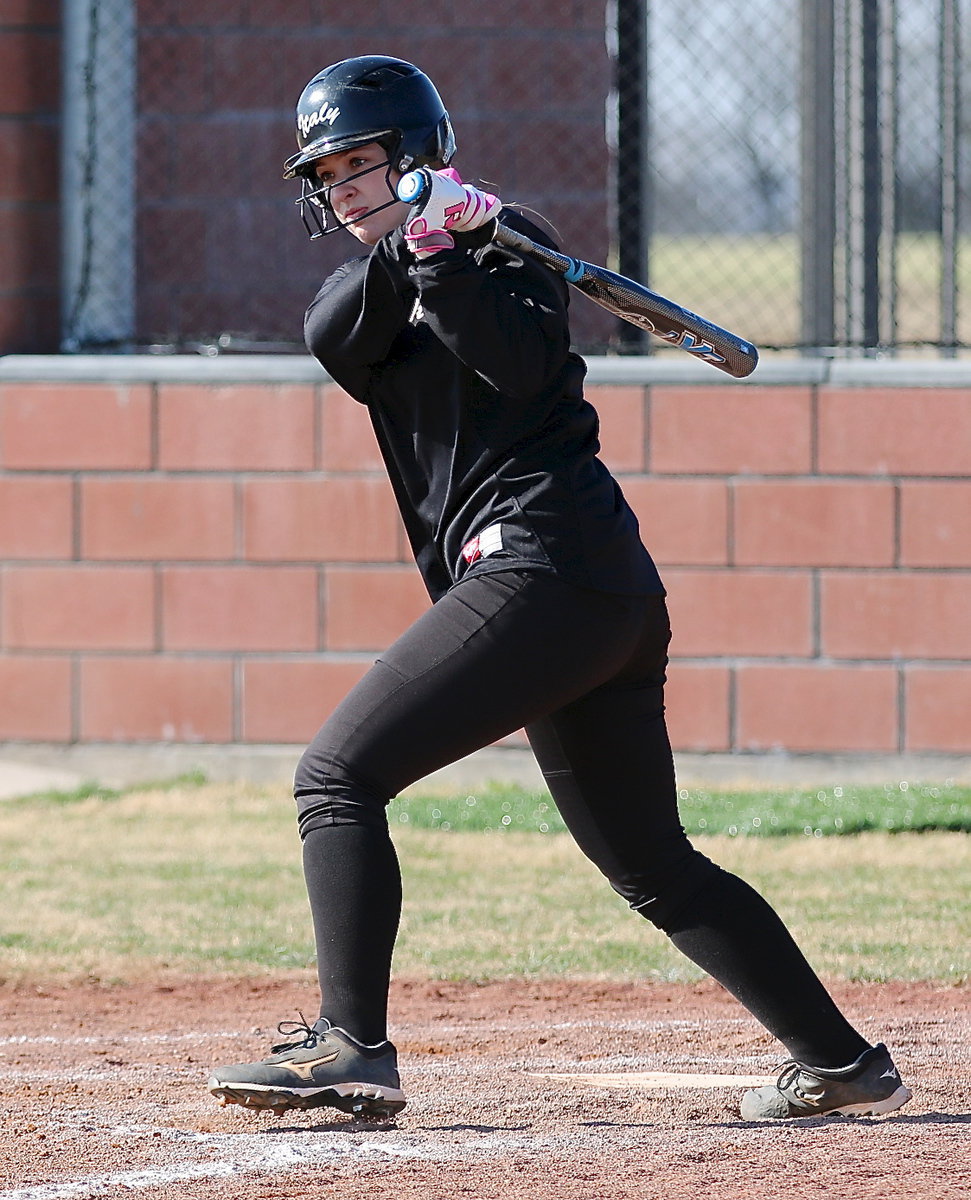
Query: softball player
548, 614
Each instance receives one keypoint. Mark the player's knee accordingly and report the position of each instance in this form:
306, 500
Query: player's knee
329, 791
663, 895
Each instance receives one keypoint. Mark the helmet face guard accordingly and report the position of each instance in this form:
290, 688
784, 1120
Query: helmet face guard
314, 199
363, 100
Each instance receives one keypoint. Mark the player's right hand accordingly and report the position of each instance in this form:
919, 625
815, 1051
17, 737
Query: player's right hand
445, 202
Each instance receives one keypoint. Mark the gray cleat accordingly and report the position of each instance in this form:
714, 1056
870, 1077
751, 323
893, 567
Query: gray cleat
326, 1067
868, 1087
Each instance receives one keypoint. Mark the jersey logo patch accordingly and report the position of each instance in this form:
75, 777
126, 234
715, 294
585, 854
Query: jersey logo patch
489, 541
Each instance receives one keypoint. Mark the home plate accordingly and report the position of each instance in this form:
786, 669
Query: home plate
647, 1081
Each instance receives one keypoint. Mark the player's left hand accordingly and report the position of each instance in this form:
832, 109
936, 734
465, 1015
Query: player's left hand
423, 241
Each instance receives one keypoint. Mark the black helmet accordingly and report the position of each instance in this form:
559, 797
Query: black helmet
369, 99
372, 99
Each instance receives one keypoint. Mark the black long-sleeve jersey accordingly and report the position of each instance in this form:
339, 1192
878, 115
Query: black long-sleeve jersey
464, 362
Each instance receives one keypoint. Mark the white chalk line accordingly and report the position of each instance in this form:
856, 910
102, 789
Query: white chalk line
270, 1154
241, 1155
260, 1153
653, 1081
125, 1039
251, 1154
588, 1025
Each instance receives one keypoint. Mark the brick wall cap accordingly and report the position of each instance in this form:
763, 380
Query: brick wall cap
27, 767
623, 369
151, 368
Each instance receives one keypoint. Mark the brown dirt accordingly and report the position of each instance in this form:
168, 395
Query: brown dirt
104, 1096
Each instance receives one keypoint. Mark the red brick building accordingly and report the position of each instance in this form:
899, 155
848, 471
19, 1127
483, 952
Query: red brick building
218, 244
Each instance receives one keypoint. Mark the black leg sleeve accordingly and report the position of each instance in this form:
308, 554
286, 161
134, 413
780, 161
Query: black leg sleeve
354, 885
608, 763
731, 932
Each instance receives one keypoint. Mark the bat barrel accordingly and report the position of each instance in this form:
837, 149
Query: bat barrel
640, 306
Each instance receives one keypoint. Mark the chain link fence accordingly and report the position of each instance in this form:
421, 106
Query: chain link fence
793, 169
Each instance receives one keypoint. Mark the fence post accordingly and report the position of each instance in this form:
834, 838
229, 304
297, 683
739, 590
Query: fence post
98, 174
627, 42
864, 174
889, 123
818, 178
950, 95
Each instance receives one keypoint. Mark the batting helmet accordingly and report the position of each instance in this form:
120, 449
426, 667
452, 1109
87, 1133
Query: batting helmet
369, 99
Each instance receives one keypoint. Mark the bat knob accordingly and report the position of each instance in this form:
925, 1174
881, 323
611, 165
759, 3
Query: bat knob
411, 186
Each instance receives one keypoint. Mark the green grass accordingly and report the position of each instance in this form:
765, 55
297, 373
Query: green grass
874, 906
895, 808
206, 879
91, 789
751, 283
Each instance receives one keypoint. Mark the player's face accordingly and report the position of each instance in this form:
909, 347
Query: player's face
359, 181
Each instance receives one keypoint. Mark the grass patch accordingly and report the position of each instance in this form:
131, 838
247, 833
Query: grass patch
91, 790
208, 879
896, 808
751, 283
876, 906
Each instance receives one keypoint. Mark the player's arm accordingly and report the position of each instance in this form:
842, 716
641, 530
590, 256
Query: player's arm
500, 317
503, 315
356, 316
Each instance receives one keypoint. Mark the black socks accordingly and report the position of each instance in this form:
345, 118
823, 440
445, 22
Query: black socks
731, 932
354, 886
726, 927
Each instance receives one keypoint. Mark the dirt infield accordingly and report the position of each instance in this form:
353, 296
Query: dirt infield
103, 1096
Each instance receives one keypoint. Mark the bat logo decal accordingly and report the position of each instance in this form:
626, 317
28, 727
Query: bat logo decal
641, 321
687, 342
680, 338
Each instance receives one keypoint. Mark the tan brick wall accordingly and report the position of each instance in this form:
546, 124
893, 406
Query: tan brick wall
216, 562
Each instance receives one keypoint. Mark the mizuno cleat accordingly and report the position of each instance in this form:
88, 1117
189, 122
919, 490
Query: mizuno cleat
325, 1068
868, 1087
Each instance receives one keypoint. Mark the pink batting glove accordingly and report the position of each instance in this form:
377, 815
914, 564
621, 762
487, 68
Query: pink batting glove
423, 241
447, 203
480, 207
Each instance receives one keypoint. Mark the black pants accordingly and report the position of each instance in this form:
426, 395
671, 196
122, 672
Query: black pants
583, 672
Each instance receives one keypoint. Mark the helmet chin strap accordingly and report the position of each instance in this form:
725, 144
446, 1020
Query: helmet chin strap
316, 201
